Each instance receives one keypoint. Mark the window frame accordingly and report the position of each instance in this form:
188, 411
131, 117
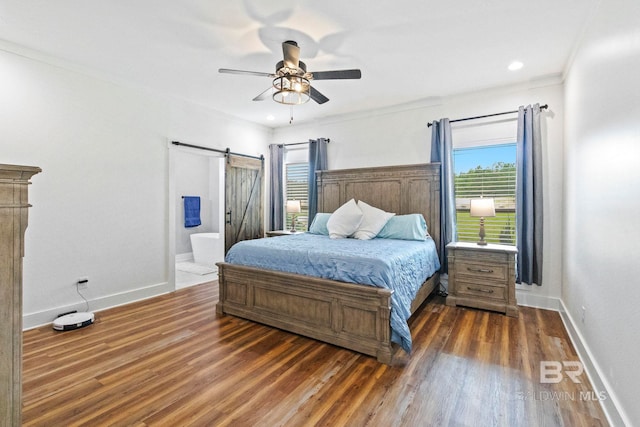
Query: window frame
499, 229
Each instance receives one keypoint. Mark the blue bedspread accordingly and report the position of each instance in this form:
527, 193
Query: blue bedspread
400, 265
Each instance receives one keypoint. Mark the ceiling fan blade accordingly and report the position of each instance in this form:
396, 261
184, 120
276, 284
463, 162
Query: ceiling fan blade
336, 74
291, 53
247, 73
264, 95
317, 96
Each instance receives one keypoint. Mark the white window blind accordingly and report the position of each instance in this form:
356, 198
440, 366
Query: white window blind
297, 188
487, 171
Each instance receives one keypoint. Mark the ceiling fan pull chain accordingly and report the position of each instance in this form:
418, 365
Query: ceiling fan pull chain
291, 115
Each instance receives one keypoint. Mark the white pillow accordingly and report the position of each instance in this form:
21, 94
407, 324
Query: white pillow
345, 220
373, 221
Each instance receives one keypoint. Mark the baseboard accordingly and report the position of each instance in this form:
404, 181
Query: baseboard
529, 299
610, 405
40, 318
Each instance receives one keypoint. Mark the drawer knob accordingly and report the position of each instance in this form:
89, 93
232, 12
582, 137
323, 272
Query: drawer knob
486, 291
480, 270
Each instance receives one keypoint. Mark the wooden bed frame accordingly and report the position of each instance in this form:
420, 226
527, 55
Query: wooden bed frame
348, 315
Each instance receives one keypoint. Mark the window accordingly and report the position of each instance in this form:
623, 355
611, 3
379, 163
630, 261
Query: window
488, 171
297, 188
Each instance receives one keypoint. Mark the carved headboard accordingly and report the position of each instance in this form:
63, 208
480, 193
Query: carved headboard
403, 189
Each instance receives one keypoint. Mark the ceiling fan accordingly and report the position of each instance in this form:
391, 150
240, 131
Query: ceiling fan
292, 82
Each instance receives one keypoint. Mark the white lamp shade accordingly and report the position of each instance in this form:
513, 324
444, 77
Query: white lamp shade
482, 207
293, 206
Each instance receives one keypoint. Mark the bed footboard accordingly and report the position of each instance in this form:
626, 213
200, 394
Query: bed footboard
347, 315
352, 316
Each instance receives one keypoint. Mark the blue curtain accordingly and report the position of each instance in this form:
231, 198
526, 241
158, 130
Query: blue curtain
276, 187
317, 162
529, 196
442, 151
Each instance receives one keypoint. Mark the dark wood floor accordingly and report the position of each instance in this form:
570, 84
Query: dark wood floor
172, 361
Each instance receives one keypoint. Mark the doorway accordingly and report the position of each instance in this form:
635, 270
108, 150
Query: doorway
194, 172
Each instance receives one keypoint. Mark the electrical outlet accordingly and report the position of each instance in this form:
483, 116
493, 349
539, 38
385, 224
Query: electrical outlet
583, 313
82, 282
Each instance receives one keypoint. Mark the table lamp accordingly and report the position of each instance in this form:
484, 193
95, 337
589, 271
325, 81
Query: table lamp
293, 208
483, 208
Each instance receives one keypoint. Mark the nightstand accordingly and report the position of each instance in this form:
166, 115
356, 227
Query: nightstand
482, 276
275, 233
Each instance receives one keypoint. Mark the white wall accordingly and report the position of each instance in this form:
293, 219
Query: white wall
100, 206
602, 186
400, 136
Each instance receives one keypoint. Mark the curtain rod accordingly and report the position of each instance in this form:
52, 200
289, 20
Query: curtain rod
226, 152
300, 143
542, 107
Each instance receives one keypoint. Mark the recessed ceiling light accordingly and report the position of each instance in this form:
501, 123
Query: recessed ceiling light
515, 65
270, 117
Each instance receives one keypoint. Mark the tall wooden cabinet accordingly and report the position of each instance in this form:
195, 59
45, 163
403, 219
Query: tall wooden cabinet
14, 181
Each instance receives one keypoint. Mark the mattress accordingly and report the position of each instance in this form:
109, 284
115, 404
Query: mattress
399, 265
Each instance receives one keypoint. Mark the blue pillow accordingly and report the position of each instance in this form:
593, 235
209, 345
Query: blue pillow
405, 227
319, 224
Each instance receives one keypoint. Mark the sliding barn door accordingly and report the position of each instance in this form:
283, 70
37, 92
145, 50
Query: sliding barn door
243, 200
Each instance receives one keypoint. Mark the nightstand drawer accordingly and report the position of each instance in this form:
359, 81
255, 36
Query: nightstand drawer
483, 257
495, 272
484, 291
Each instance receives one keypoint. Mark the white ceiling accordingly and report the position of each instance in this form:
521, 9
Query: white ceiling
408, 50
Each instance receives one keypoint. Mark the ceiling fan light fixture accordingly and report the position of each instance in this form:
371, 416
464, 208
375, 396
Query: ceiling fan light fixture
291, 90
291, 84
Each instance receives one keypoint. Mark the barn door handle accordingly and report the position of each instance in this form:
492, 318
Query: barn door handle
228, 217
